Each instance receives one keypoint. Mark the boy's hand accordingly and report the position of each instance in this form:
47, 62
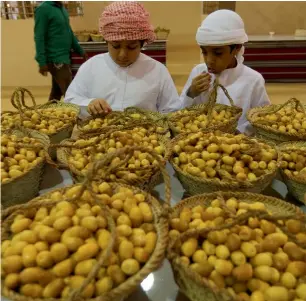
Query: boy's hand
43, 70
98, 106
199, 84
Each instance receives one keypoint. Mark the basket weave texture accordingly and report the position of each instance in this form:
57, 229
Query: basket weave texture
264, 129
295, 184
25, 187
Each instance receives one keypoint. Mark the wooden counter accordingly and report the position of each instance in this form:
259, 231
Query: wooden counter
277, 58
156, 50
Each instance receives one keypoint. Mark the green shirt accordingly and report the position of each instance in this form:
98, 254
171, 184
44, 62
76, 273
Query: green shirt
54, 38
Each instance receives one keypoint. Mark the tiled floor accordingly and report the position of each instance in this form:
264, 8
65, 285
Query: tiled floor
278, 93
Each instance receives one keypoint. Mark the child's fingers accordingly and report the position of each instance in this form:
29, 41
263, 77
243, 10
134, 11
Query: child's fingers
202, 77
203, 87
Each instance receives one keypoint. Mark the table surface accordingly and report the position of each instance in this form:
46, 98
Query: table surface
160, 285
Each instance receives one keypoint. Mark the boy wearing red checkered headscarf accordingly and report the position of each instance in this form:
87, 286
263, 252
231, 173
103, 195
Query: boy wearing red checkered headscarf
124, 76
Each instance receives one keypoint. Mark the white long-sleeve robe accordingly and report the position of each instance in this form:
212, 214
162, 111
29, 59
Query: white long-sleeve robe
245, 86
145, 84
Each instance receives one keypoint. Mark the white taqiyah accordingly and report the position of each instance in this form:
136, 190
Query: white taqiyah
223, 27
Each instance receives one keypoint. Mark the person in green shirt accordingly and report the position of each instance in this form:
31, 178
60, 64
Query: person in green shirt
54, 41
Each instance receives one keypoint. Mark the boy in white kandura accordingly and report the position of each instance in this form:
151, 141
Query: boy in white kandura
221, 37
124, 76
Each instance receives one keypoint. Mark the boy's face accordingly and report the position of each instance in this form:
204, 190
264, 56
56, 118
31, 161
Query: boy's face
124, 53
219, 58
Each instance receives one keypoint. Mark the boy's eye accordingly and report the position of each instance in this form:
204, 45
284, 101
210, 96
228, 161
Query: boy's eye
116, 46
218, 53
132, 47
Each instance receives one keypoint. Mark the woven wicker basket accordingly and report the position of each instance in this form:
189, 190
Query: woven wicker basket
162, 35
83, 37
25, 187
191, 283
159, 221
196, 185
96, 38
296, 185
263, 129
152, 178
118, 118
18, 101
206, 108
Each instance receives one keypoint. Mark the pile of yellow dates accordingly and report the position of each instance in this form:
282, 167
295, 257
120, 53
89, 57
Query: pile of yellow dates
15, 160
82, 157
51, 121
52, 251
223, 156
192, 123
254, 261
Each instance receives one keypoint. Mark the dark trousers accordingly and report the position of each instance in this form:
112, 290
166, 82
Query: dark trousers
61, 79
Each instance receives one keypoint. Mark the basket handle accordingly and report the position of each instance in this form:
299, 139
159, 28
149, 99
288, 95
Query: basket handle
128, 151
292, 101
19, 102
214, 95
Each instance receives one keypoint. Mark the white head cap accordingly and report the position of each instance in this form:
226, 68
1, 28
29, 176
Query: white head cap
222, 27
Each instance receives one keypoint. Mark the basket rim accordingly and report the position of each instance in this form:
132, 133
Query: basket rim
45, 141
254, 111
217, 181
161, 227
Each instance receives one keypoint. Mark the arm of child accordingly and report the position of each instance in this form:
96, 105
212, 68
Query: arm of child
168, 98
187, 99
259, 98
79, 90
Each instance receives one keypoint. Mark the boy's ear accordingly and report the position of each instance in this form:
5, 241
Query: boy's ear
237, 49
